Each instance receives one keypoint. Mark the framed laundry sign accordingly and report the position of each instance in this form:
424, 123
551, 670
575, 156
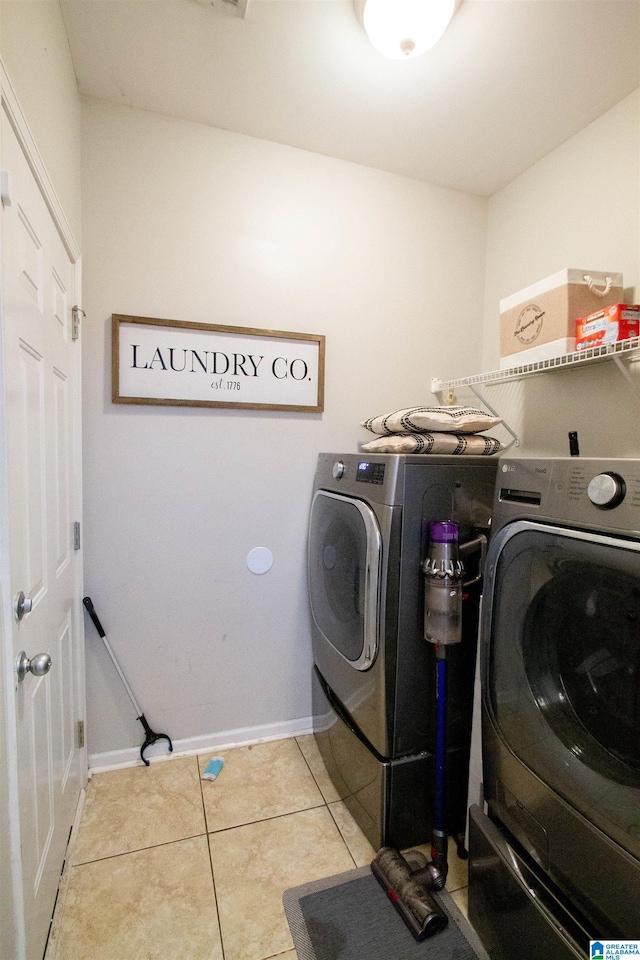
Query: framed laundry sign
176, 363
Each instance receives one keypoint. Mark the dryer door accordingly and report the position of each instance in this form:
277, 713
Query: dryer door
344, 575
562, 674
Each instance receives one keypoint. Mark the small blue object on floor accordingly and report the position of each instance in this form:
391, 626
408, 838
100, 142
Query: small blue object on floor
212, 769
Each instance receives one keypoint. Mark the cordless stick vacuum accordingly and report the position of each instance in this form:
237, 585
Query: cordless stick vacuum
409, 888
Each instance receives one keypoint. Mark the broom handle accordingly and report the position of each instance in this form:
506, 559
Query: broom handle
96, 622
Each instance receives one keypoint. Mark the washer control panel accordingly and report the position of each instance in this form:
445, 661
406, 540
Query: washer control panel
590, 492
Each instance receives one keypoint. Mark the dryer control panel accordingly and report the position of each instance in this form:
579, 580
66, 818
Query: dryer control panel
378, 478
368, 472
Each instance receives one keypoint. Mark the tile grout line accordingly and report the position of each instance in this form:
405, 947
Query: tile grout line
341, 835
125, 853
315, 780
204, 806
276, 816
213, 879
326, 804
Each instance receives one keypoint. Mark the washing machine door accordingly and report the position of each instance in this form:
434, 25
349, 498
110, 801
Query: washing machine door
344, 576
562, 667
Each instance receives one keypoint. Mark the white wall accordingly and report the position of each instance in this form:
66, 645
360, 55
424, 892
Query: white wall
35, 54
187, 222
578, 207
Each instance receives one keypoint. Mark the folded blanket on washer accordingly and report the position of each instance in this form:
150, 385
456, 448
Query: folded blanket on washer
449, 419
456, 444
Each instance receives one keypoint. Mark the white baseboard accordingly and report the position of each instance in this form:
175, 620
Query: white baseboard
225, 740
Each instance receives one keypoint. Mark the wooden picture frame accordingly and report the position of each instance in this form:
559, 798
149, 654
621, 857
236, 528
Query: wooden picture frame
177, 363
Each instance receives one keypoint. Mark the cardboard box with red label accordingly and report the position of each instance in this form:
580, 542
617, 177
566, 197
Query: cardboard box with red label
620, 321
539, 322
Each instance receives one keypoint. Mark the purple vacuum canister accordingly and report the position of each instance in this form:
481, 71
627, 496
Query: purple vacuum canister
443, 574
444, 531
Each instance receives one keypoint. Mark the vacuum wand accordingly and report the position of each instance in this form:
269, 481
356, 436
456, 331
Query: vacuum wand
407, 888
151, 735
443, 572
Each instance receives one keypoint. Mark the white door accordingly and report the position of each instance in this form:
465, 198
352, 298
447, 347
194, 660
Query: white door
41, 377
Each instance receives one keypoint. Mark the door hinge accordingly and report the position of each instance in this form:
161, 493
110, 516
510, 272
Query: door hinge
76, 313
76, 535
80, 733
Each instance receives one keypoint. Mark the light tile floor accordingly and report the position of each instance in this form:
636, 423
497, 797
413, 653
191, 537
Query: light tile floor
167, 866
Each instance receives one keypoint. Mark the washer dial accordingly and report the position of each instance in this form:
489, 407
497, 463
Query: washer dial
338, 469
606, 490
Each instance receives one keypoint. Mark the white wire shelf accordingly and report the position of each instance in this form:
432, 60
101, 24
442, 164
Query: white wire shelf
621, 349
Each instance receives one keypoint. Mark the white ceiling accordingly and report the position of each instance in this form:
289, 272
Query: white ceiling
509, 81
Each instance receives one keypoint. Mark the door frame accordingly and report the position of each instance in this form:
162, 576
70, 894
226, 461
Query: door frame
13, 910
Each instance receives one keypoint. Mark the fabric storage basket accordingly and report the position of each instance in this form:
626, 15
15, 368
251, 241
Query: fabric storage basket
540, 321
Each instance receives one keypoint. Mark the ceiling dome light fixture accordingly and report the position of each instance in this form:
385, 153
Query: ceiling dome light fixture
406, 28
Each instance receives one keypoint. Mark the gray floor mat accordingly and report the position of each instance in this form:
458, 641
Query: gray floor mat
348, 917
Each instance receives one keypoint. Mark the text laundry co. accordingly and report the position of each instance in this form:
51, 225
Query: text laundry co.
186, 360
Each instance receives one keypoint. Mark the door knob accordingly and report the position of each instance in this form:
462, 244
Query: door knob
38, 665
22, 605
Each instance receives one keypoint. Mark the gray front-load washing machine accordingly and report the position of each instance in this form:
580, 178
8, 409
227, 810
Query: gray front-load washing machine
555, 860
374, 674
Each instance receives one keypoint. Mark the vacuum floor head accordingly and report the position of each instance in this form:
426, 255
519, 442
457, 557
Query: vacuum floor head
412, 899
